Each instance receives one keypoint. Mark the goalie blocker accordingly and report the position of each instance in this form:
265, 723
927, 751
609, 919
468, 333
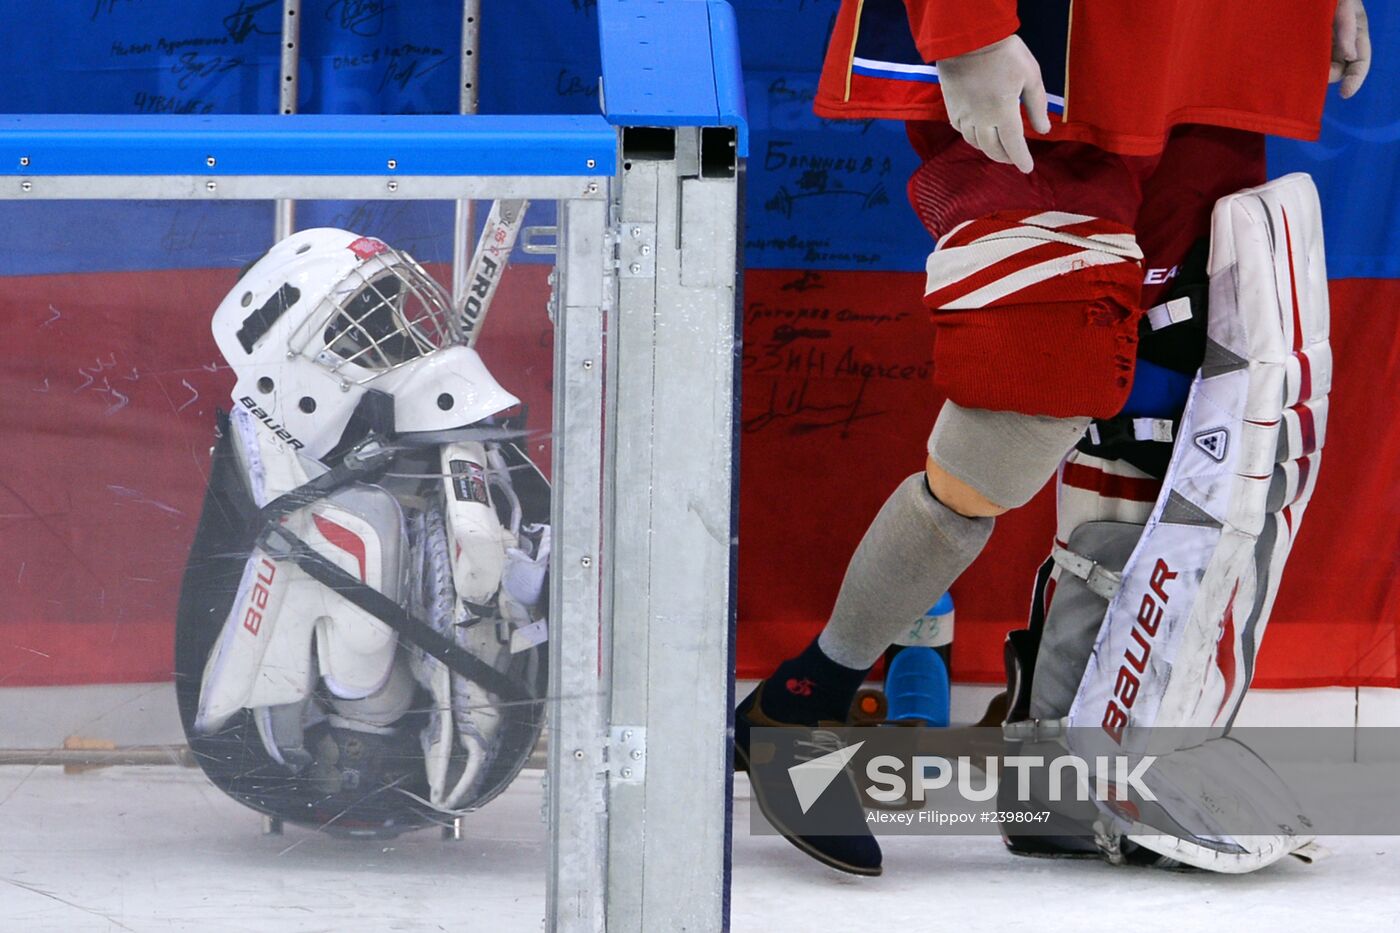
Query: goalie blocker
1171, 544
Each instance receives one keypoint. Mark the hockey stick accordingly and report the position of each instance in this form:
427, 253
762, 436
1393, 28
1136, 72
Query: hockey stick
488, 263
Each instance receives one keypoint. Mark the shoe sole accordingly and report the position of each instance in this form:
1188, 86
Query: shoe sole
743, 759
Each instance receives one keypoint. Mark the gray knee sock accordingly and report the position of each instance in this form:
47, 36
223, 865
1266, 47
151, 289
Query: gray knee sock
910, 555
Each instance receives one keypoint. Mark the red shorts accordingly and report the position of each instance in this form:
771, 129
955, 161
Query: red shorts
1165, 199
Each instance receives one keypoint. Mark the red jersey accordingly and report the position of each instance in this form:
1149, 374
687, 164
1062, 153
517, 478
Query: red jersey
1119, 73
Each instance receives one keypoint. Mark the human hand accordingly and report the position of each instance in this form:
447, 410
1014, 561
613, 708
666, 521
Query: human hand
1351, 47
984, 91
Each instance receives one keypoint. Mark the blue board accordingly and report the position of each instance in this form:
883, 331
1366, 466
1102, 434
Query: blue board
821, 194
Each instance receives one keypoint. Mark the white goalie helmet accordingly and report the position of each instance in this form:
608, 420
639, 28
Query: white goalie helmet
326, 315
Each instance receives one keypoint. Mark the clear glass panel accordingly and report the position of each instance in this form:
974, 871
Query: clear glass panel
277, 542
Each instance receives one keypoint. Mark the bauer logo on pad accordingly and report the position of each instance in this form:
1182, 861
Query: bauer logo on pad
1214, 443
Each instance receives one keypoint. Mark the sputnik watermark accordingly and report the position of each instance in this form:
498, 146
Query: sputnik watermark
1113, 778
1055, 780
946, 818
811, 778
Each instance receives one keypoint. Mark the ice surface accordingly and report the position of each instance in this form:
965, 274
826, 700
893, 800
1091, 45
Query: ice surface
160, 849
970, 884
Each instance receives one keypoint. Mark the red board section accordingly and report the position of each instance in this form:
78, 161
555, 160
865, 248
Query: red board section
111, 381
109, 387
837, 405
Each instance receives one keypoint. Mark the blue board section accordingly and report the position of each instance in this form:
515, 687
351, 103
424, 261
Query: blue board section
821, 194
885, 47
41, 238
1356, 162
671, 63
305, 145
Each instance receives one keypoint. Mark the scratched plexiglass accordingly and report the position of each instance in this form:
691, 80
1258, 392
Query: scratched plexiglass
179, 740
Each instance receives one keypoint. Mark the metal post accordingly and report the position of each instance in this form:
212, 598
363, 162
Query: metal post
671, 413
284, 221
579, 671
462, 219
471, 42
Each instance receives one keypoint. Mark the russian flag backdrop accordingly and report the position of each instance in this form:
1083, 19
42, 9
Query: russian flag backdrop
111, 378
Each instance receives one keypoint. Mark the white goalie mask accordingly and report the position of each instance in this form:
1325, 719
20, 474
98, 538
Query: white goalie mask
326, 315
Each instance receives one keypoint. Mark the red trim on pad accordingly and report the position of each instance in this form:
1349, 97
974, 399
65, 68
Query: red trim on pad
1132, 488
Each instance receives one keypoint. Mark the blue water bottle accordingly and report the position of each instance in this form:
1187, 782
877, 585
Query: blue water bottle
917, 688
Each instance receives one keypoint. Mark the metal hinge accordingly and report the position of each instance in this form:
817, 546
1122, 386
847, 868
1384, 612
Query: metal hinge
552, 307
627, 755
636, 249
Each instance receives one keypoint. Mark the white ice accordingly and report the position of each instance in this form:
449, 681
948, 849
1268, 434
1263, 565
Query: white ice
160, 849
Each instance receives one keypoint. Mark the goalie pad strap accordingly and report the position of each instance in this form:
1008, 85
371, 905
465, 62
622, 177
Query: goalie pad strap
1176, 311
1120, 430
1096, 577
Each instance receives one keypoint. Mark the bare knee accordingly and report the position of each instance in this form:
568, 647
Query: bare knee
958, 495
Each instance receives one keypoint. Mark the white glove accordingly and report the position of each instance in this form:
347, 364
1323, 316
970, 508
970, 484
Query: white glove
984, 90
1351, 46
524, 574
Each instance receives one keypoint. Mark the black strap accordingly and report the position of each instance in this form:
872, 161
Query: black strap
365, 464
373, 416
1118, 441
1022, 648
260, 321
1182, 346
1120, 431
282, 544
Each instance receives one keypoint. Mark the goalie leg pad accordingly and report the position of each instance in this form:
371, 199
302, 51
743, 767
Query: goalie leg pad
1200, 584
360, 529
1177, 642
264, 657
1036, 313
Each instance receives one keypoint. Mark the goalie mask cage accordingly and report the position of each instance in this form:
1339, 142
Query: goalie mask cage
643, 247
